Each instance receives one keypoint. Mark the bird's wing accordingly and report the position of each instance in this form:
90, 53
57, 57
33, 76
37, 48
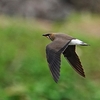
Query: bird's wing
53, 53
73, 59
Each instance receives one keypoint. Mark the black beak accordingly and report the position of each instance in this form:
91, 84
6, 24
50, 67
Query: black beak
44, 35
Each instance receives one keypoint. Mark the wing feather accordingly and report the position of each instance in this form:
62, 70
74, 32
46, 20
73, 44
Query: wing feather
74, 60
53, 54
54, 63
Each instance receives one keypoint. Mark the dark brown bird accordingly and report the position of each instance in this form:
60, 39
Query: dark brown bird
62, 43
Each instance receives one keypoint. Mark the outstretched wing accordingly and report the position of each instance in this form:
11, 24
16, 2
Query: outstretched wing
73, 59
53, 53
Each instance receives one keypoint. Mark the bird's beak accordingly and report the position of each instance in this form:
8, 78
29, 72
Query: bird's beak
46, 35
43, 35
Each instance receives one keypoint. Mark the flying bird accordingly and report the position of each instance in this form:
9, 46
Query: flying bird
63, 44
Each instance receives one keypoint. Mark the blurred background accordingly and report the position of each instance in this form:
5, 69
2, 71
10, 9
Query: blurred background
24, 72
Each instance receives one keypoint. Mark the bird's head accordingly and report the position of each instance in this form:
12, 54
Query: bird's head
50, 36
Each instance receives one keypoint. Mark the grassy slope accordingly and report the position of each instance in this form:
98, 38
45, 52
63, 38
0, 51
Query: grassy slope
24, 74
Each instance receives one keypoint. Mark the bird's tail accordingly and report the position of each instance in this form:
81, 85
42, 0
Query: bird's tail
77, 42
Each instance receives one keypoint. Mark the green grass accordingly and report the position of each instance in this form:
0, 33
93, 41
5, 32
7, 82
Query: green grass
24, 73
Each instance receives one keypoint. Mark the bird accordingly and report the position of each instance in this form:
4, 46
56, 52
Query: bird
63, 44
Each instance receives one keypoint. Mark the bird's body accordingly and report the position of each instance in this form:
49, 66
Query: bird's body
62, 44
